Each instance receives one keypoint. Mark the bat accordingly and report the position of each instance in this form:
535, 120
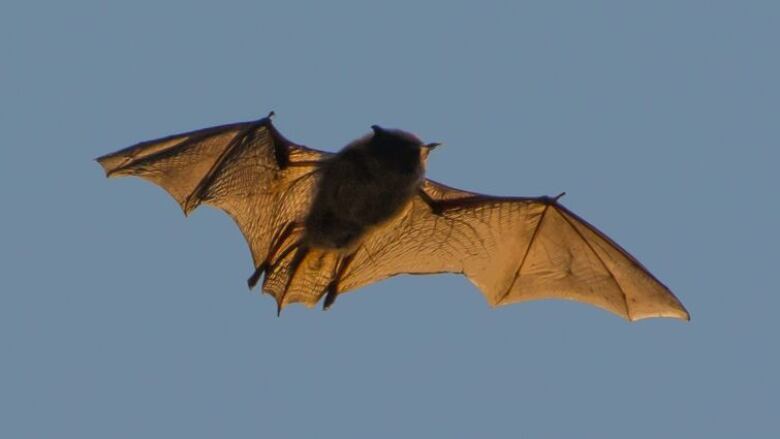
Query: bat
319, 224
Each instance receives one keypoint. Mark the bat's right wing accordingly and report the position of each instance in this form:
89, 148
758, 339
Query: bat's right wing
513, 250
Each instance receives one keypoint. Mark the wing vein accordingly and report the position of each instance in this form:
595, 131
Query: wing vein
525, 255
135, 150
206, 180
603, 264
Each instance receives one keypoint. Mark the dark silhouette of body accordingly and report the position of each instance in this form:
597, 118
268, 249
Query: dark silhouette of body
365, 184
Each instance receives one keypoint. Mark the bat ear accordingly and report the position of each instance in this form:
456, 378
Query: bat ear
378, 131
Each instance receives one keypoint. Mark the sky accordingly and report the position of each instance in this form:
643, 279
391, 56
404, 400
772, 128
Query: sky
120, 318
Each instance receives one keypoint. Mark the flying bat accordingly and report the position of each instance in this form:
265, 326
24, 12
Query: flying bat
319, 224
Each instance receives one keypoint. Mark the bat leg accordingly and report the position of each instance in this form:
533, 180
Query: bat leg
436, 207
272, 255
252, 281
330, 297
333, 286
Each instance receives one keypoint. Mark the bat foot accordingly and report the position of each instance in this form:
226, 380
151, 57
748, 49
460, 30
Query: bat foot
330, 297
252, 281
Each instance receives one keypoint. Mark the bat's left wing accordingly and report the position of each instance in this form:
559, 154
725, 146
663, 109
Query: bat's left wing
249, 170
513, 250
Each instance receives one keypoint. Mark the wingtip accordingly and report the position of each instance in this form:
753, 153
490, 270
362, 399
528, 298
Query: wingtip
111, 163
101, 160
675, 313
678, 311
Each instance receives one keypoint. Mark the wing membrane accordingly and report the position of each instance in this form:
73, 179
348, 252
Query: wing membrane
249, 170
513, 250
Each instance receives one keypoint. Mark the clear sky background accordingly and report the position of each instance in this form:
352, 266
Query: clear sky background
121, 319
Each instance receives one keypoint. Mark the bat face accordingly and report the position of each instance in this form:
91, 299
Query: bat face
320, 224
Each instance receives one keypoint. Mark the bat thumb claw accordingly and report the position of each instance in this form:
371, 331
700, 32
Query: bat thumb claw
551, 200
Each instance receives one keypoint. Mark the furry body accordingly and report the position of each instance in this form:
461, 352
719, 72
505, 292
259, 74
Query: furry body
365, 184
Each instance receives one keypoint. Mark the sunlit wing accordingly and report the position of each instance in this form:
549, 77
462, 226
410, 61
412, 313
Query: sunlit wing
233, 167
513, 250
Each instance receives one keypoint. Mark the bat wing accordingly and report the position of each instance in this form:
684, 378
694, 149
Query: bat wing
249, 170
513, 250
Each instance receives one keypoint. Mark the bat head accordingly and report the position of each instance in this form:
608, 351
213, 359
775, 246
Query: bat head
401, 141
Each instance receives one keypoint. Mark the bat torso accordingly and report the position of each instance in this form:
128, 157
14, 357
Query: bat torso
365, 184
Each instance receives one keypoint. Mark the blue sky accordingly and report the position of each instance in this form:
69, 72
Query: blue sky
119, 318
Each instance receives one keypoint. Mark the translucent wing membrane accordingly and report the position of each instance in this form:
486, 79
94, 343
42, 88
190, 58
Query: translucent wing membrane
250, 171
513, 250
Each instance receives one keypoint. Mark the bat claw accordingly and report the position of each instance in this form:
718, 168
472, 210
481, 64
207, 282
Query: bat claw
266, 121
546, 199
